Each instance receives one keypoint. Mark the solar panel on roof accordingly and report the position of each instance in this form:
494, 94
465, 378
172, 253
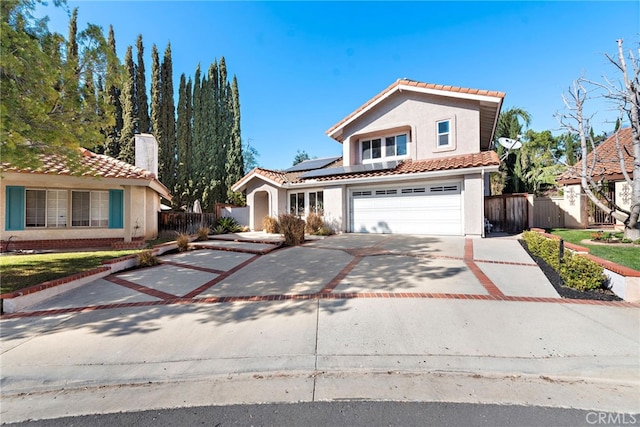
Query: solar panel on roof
368, 167
312, 164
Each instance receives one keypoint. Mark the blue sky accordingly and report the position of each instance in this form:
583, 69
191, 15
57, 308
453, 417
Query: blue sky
303, 66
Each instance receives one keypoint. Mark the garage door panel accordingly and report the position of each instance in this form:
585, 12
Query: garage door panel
414, 213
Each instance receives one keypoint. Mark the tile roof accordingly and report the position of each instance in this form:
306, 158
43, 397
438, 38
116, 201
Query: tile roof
607, 160
90, 164
485, 158
413, 83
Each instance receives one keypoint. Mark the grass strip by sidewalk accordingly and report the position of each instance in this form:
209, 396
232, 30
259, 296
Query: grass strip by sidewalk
629, 255
21, 271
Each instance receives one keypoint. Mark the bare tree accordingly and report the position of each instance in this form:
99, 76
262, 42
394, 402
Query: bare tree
625, 94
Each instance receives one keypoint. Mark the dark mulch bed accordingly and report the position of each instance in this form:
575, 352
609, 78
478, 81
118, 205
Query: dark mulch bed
565, 291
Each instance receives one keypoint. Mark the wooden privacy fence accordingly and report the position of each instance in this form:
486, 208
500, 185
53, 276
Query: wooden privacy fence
507, 213
548, 212
184, 222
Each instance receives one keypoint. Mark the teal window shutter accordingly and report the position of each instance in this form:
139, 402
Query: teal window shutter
116, 209
14, 209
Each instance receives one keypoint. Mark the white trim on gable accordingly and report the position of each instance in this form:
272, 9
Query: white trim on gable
399, 88
253, 174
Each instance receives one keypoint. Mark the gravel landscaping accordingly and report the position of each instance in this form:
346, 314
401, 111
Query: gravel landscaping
565, 291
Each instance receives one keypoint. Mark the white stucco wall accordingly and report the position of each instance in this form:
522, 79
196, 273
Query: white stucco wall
264, 199
417, 114
334, 208
623, 197
473, 205
574, 211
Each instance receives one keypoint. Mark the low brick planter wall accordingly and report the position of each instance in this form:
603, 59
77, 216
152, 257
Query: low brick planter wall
625, 281
16, 301
19, 300
116, 243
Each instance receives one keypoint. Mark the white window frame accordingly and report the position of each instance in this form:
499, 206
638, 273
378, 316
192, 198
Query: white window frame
317, 207
97, 212
383, 148
294, 208
305, 196
57, 208
450, 134
50, 212
440, 134
35, 216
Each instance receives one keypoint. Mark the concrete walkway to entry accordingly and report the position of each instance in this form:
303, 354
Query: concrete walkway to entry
379, 317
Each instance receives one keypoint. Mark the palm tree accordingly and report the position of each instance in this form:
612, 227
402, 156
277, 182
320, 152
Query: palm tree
509, 126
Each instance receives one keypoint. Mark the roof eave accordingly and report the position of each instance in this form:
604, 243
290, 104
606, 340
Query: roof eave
242, 183
397, 177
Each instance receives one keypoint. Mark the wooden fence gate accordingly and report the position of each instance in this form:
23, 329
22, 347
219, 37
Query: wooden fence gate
548, 212
507, 213
184, 222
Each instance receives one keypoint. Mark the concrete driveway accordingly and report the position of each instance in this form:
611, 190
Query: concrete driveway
348, 317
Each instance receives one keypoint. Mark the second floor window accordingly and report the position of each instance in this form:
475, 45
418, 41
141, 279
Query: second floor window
444, 133
384, 148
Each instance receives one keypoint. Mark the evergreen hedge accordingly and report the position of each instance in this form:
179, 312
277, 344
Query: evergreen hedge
577, 271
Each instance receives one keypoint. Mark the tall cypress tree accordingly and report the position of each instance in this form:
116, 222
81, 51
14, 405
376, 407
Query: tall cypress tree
127, 99
198, 142
210, 179
113, 130
183, 137
156, 100
235, 162
141, 90
71, 94
167, 135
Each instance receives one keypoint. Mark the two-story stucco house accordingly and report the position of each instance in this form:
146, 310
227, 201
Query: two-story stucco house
415, 159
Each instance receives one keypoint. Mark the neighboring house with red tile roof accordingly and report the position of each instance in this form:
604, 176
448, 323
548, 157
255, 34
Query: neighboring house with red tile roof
603, 165
98, 202
415, 159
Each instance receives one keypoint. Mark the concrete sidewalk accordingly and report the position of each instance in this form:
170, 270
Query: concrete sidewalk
347, 317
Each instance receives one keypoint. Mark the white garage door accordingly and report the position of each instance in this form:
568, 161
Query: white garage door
417, 209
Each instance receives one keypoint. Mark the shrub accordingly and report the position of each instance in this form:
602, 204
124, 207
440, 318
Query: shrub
236, 199
203, 233
183, 242
228, 224
270, 225
577, 271
219, 229
581, 273
636, 242
292, 228
324, 231
313, 224
147, 259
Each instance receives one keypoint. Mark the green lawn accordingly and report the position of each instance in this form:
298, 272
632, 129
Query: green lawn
628, 256
21, 271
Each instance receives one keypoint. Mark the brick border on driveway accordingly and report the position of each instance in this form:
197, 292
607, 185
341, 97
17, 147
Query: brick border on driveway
326, 293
